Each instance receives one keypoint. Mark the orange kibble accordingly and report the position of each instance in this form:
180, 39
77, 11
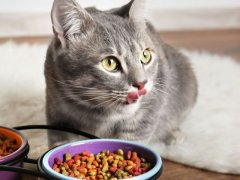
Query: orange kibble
7, 145
114, 165
78, 162
65, 165
93, 177
100, 176
86, 153
83, 170
84, 158
134, 155
91, 159
57, 170
95, 163
89, 166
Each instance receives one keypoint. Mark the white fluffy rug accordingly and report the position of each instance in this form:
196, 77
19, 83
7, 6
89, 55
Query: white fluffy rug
211, 133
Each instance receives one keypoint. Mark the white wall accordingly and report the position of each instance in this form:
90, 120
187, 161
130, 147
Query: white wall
31, 17
12, 6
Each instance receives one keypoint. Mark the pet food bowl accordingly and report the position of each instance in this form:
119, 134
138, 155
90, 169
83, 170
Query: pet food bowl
95, 146
15, 158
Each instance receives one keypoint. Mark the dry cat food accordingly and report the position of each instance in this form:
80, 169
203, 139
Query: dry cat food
7, 145
102, 166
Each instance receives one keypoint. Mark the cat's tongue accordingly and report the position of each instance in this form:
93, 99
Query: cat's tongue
142, 92
133, 96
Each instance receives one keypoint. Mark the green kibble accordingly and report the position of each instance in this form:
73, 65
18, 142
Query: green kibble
119, 173
62, 168
143, 160
98, 157
65, 173
120, 152
76, 173
119, 157
115, 161
109, 174
145, 165
93, 173
105, 161
105, 168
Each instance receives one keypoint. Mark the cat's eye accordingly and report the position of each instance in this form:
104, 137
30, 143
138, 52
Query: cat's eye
146, 56
110, 64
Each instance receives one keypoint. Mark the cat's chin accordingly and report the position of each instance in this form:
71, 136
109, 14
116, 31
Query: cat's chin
129, 108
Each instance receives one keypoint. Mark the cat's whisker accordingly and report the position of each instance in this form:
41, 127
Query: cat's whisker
160, 79
93, 93
113, 99
71, 95
160, 84
119, 95
97, 98
120, 99
71, 85
159, 90
100, 93
113, 103
83, 87
88, 89
104, 102
119, 92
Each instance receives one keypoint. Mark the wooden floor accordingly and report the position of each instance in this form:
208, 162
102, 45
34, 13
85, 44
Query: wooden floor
226, 42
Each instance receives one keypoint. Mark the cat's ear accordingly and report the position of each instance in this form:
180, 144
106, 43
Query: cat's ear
122, 11
134, 10
69, 20
137, 12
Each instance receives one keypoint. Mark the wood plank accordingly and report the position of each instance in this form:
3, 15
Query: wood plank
175, 171
226, 42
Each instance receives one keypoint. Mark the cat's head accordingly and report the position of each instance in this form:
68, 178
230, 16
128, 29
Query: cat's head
105, 59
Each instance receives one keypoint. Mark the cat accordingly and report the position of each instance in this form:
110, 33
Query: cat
108, 73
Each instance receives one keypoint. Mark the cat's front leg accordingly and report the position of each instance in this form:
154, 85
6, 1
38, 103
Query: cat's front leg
134, 137
134, 133
173, 137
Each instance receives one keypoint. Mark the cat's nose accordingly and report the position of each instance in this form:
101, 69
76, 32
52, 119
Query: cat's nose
140, 85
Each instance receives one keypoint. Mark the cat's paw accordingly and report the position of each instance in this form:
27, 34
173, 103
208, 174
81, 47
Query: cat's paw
174, 137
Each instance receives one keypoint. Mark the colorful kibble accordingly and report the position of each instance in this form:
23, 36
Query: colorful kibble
7, 145
102, 166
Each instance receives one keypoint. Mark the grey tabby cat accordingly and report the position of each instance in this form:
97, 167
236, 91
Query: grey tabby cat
109, 74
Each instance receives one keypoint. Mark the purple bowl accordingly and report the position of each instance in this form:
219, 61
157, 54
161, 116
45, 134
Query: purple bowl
14, 159
97, 145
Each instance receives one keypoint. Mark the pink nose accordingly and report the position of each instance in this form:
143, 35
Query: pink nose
140, 85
